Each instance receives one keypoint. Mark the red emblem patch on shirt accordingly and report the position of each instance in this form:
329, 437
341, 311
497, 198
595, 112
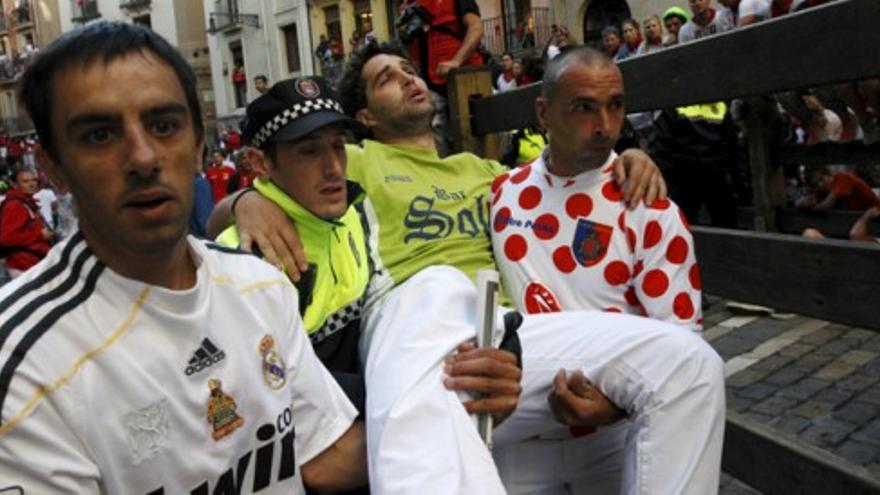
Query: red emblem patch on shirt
590, 242
537, 298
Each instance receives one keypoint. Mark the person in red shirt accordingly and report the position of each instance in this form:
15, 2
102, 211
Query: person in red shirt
844, 191
24, 237
218, 175
244, 173
233, 140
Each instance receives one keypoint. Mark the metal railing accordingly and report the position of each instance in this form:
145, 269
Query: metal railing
517, 31
85, 10
134, 4
22, 14
227, 15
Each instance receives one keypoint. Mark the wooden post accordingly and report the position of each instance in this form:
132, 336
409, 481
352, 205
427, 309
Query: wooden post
768, 181
464, 84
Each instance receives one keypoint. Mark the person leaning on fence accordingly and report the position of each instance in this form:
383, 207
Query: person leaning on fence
138, 359
673, 19
653, 28
706, 21
632, 37
746, 12
417, 312
842, 190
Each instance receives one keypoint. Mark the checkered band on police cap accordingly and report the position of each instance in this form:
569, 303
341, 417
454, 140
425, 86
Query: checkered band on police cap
291, 109
296, 111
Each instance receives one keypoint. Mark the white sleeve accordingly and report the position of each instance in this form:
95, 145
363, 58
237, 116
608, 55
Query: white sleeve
760, 8
686, 33
668, 283
321, 410
39, 452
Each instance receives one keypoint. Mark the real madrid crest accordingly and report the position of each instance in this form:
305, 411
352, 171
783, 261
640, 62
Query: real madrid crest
274, 372
222, 413
308, 88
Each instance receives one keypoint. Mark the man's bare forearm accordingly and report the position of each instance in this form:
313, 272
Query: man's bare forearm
221, 215
343, 466
472, 37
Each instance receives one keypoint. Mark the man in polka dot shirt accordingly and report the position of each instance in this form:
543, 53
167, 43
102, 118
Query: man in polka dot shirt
564, 240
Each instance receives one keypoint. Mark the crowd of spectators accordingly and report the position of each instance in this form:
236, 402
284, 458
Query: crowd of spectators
700, 148
34, 216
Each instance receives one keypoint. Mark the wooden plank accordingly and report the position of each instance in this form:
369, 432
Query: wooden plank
829, 153
774, 464
464, 84
829, 279
767, 57
832, 223
768, 182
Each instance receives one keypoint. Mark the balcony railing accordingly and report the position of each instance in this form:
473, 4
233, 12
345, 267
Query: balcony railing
22, 15
12, 66
85, 10
134, 4
517, 31
226, 16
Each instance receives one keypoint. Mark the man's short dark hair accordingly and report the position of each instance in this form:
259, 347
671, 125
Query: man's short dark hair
581, 54
262, 78
104, 41
610, 30
352, 87
18, 171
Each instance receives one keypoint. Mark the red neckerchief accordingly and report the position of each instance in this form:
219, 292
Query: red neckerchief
777, 9
635, 46
507, 75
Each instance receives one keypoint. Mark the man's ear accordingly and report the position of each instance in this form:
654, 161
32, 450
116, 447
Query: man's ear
366, 118
541, 111
259, 162
52, 169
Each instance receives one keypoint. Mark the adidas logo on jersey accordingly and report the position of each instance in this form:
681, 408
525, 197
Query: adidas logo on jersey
205, 356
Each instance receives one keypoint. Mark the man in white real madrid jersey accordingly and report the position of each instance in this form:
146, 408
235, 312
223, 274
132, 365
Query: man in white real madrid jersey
134, 359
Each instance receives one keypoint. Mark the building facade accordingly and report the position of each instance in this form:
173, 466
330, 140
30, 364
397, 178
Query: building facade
248, 38
586, 18
182, 23
25, 26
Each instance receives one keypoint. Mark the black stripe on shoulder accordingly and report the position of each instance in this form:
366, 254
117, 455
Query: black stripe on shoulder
225, 249
44, 277
25, 312
40, 329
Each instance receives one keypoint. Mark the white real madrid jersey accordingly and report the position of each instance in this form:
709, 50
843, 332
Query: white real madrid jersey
110, 385
569, 243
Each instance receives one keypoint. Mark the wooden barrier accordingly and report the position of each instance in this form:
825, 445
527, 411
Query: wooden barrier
829, 279
833, 223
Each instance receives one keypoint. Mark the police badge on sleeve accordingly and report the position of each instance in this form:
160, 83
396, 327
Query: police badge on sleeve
274, 371
590, 242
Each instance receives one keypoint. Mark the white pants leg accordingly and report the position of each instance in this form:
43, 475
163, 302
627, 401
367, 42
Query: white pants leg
592, 464
667, 379
420, 439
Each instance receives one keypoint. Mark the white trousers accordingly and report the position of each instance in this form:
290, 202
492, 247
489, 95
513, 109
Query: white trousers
591, 464
420, 439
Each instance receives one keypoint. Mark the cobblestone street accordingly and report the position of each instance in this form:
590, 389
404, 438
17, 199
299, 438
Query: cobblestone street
811, 380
